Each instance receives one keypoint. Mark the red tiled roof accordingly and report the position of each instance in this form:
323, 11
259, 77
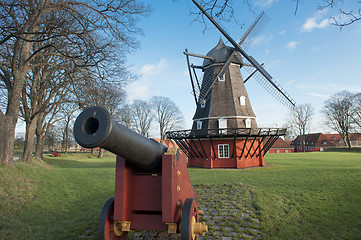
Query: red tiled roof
315, 139
337, 139
280, 143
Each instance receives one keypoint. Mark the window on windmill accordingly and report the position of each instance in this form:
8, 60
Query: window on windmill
248, 123
222, 78
199, 124
223, 151
242, 100
222, 124
203, 104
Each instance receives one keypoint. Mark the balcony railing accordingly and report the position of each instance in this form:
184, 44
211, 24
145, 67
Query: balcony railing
226, 133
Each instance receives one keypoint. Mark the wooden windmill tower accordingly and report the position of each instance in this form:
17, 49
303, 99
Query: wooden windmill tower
222, 100
225, 131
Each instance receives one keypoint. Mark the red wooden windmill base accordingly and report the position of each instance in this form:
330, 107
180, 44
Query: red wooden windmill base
226, 148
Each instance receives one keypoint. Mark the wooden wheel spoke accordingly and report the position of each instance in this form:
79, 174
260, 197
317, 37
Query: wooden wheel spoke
106, 223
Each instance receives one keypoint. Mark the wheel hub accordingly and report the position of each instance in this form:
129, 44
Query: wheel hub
198, 228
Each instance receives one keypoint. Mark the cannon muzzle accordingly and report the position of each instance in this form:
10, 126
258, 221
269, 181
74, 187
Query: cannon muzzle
94, 127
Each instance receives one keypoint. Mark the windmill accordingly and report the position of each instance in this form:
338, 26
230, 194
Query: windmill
224, 131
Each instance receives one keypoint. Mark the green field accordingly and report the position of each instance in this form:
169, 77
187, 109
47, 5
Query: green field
297, 196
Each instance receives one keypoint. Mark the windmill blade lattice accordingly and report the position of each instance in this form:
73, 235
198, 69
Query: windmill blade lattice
254, 30
272, 86
246, 41
265, 77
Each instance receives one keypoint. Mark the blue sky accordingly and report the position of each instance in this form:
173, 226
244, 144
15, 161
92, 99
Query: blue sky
309, 58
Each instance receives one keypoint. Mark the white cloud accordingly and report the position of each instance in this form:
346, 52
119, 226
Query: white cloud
265, 3
149, 70
141, 89
292, 45
315, 48
291, 82
282, 32
325, 96
311, 23
259, 39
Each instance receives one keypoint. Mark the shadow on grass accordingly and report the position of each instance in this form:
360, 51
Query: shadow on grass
344, 149
91, 163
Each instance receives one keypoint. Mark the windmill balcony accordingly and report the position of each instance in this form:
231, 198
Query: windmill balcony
226, 133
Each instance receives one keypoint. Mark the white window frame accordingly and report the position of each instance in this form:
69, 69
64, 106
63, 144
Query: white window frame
199, 124
242, 100
223, 150
248, 123
222, 123
222, 78
203, 104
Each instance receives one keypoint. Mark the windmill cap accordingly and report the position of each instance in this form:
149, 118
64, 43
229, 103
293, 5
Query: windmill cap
221, 53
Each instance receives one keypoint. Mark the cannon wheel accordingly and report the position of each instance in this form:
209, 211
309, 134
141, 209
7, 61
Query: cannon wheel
189, 217
106, 230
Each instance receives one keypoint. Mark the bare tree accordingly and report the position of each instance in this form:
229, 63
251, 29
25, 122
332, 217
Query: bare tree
68, 112
357, 111
338, 110
141, 117
53, 138
45, 87
167, 115
95, 92
85, 27
300, 121
221, 10
123, 116
346, 17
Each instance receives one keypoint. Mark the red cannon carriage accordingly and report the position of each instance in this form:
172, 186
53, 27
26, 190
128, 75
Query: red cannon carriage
152, 185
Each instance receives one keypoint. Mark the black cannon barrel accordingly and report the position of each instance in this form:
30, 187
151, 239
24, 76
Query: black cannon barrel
94, 127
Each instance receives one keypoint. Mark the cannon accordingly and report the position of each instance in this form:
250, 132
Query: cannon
152, 186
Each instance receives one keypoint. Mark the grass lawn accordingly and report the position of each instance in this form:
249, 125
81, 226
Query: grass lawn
301, 195
297, 196
56, 201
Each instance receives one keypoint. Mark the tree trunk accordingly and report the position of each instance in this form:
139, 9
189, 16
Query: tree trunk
39, 148
66, 137
93, 151
7, 137
41, 130
303, 142
29, 145
101, 153
10, 118
348, 140
344, 139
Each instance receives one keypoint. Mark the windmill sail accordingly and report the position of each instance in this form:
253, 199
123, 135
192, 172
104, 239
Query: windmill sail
271, 85
253, 31
190, 74
282, 96
247, 39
